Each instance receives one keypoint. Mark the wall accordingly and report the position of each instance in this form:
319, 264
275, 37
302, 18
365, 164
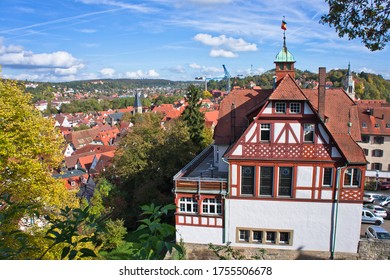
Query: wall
309, 221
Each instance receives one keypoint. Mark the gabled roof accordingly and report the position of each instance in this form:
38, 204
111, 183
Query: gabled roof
287, 89
243, 100
374, 117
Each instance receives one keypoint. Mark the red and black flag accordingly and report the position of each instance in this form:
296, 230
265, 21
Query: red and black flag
284, 25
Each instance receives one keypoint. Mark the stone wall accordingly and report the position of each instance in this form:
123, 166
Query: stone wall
367, 250
374, 249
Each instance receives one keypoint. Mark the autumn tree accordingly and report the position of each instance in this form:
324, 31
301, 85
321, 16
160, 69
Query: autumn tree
30, 148
364, 19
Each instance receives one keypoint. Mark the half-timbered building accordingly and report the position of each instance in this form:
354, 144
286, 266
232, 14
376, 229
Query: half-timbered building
284, 171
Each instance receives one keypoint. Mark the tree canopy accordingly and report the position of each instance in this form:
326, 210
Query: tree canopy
364, 19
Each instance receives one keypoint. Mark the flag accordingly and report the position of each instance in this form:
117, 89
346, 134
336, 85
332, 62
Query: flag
284, 25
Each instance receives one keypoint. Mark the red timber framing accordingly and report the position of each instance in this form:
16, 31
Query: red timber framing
213, 204
319, 192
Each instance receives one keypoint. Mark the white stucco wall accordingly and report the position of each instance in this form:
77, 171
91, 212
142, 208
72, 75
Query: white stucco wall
199, 235
310, 222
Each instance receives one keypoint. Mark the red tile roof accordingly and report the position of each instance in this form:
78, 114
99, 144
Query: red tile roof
287, 89
244, 100
374, 118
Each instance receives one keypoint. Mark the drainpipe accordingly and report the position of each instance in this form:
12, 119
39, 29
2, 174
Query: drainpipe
225, 227
335, 212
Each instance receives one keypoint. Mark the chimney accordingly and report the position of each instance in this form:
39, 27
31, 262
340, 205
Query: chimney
233, 122
321, 92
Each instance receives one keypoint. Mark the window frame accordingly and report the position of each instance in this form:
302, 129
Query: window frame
185, 202
209, 203
379, 140
277, 107
267, 236
265, 176
331, 176
311, 128
281, 192
265, 129
377, 153
299, 107
252, 177
356, 174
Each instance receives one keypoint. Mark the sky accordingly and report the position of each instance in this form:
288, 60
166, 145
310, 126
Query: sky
51, 40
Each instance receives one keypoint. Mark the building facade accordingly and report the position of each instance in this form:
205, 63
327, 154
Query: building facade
284, 171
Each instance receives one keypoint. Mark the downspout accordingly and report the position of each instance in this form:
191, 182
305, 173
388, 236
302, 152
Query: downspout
335, 212
225, 227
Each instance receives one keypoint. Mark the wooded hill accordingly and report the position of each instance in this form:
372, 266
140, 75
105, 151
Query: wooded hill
367, 86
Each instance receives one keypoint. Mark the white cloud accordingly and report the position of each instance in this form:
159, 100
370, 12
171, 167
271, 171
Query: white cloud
141, 74
107, 72
195, 66
225, 46
137, 8
230, 43
222, 53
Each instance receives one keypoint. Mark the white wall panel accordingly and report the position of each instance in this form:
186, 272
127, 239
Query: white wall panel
305, 176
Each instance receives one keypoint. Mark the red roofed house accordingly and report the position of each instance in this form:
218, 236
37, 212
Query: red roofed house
285, 171
374, 118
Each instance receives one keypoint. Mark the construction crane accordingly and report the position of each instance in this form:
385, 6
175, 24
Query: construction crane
227, 78
205, 79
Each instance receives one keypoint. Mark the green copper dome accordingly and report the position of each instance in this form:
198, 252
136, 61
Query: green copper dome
284, 56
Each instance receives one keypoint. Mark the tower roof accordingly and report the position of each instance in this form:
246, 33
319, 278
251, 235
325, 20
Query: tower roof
284, 56
137, 101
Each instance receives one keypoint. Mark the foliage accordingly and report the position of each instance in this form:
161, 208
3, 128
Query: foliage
76, 230
151, 240
364, 19
193, 117
146, 161
226, 252
13, 242
30, 148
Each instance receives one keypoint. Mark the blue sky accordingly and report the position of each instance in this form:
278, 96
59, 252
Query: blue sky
51, 40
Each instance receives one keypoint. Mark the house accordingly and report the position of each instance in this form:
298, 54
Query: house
374, 123
284, 172
83, 137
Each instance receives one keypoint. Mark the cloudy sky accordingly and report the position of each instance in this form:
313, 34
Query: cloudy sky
51, 40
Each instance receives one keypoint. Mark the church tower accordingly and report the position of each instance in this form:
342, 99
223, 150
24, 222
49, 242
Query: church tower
137, 104
349, 83
284, 62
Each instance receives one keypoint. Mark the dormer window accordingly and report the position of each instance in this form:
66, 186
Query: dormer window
364, 125
376, 125
280, 107
295, 108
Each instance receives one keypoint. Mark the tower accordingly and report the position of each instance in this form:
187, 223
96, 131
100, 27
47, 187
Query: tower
137, 104
284, 62
349, 83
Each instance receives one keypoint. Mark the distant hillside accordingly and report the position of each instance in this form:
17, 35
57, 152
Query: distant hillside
367, 86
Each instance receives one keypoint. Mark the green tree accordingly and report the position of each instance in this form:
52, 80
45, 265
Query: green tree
193, 117
364, 19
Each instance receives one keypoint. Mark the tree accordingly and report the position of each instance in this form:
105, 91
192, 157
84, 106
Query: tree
193, 117
30, 149
364, 19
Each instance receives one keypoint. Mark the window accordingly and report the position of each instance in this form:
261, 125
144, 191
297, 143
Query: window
365, 139
270, 237
308, 133
280, 107
285, 181
364, 125
379, 140
244, 235
388, 125
266, 180
188, 205
258, 236
327, 177
376, 166
377, 153
377, 125
284, 237
212, 206
365, 152
264, 236
295, 108
265, 132
247, 179
352, 177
